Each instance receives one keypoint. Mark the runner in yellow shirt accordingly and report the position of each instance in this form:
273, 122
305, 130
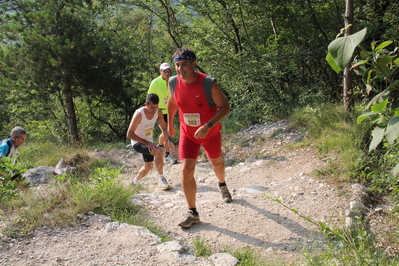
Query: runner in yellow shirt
159, 86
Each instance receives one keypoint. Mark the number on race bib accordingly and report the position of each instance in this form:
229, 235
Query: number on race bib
192, 120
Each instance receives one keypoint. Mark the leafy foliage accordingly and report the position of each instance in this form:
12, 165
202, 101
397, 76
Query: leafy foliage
374, 66
60, 204
93, 61
341, 50
201, 247
353, 245
68, 62
10, 178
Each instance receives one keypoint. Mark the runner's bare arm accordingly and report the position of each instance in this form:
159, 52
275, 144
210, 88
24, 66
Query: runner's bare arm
162, 125
221, 102
136, 120
223, 110
164, 128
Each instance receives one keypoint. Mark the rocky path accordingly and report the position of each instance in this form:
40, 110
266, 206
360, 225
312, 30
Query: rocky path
271, 168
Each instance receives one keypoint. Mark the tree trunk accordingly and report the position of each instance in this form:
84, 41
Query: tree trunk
348, 91
73, 127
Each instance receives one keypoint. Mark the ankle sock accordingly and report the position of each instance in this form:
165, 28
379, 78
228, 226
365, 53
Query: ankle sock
222, 184
194, 211
161, 177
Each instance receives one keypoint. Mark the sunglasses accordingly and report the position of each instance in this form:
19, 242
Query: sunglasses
166, 71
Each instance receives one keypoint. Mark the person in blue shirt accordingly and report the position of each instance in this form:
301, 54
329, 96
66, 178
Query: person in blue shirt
8, 146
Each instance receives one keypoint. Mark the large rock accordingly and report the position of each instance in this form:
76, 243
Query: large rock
62, 168
224, 259
39, 175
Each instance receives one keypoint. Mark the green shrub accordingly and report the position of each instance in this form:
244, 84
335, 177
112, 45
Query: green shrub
350, 246
10, 178
335, 135
201, 247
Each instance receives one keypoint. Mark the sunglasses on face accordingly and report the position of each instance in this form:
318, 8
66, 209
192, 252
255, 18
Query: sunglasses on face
166, 71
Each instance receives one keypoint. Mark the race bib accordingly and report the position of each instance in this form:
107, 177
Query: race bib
192, 120
148, 132
165, 101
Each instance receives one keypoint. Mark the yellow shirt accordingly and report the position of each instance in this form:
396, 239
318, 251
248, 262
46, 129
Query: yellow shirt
160, 88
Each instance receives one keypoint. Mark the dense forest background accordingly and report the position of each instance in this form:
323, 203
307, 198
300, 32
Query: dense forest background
74, 71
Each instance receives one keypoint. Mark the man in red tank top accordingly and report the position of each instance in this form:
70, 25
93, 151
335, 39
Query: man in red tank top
199, 125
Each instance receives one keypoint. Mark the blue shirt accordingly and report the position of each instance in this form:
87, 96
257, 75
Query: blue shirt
4, 149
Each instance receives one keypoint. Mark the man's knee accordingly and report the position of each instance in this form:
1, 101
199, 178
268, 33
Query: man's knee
216, 163
187, 170
188, 167
158, 152
161, 137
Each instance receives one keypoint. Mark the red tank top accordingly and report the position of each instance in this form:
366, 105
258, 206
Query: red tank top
193, 107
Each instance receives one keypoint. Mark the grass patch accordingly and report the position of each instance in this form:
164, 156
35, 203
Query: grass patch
351, 246
246, 255
335, 134
59, 204
32, 154
201, 247
343, 144
90, 189
250, 257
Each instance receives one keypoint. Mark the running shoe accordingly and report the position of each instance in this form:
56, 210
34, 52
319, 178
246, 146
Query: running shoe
163, 184
170, 159
190, 220
226, 196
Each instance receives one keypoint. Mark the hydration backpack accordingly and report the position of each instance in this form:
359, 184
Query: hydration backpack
207, 85
9, 146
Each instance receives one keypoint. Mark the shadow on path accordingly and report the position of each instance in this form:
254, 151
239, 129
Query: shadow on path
289, 224
284, 221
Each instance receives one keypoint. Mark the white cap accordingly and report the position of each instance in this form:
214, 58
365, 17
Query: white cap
164, 66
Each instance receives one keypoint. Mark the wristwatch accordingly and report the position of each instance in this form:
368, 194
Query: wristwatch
209, 124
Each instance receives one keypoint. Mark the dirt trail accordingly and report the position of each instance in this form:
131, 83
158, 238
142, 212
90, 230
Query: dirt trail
252, 219
280, 171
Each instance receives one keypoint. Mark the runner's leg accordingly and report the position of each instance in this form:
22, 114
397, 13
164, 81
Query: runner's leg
188, 181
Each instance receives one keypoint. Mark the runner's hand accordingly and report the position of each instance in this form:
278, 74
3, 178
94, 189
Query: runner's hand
151, 147
171, 145
201, 132
171, 131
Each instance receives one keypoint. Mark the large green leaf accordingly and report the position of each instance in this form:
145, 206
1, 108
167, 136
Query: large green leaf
392, 132
395, 170
361, 62
364, 116
381, 46
379, 97
378, 107
378, 135
364, 54
383, 63
342, 49
332, 63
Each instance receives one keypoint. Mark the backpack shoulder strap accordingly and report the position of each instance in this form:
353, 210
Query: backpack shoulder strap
9, 144
207, 85
208, 81
172, 84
